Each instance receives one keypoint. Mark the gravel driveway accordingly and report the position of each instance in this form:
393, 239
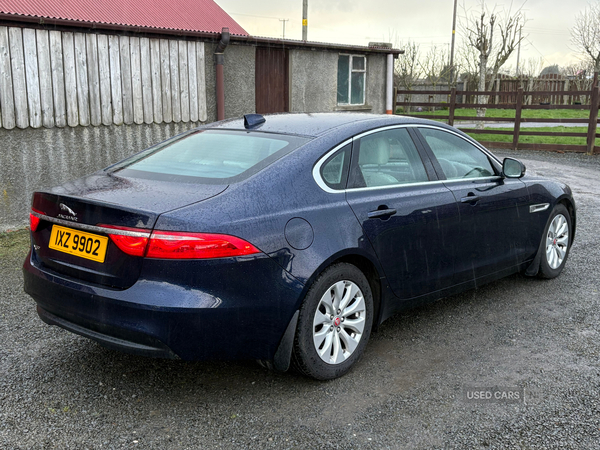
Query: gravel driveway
58, 390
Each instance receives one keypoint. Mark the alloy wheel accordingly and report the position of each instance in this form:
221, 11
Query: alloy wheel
339, 322
557, 241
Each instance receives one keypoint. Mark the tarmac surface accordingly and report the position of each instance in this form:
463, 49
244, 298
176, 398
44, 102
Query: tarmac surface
538, 338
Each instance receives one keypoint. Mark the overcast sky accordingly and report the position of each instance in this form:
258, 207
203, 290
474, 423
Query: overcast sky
428, 22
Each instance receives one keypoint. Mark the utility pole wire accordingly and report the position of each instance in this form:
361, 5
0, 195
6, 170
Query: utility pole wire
452, 46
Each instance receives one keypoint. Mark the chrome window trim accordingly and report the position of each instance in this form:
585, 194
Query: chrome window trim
489, 178
321, 183
91, 228
422, 183
396, 186
316, 172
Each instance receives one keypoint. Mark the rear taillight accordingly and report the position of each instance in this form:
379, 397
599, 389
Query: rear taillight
132, 241
34, 220
178, 245
135, 246
175, 245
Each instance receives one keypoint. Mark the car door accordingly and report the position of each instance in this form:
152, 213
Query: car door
493, 210
406, 214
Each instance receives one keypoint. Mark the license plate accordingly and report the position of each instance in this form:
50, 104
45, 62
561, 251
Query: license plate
78, 243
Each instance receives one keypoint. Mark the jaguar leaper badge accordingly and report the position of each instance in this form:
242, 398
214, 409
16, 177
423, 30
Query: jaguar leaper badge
72, 214
65, 208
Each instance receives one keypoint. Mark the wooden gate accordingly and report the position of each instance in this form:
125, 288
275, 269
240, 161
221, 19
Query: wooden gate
272, 76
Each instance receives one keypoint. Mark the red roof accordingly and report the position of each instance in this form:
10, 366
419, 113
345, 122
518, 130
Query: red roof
187, 15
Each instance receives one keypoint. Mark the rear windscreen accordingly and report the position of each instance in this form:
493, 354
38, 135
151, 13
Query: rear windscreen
220, 156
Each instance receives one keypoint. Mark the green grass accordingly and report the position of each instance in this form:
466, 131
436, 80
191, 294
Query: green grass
529, 114
510, 113
14, 243
537, 139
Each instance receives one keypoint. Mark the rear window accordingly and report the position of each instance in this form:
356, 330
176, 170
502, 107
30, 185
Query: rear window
210, 156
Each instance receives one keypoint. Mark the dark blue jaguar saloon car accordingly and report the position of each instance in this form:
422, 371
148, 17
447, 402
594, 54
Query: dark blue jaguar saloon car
286, 238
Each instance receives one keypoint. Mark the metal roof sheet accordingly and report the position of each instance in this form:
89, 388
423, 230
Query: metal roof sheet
291, 43
188, 15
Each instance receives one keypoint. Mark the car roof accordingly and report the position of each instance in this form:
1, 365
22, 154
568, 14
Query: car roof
319, 123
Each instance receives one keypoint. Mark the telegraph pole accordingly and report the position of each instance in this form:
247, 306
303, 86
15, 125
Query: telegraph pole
283, 21
519, 49
452, 46
304, 20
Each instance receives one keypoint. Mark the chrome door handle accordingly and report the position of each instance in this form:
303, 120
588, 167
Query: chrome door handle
470, 199
380, 213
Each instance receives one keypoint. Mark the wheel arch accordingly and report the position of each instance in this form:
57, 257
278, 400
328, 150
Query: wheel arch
372, 275
568, 203
534, 268
367, 265
282, 357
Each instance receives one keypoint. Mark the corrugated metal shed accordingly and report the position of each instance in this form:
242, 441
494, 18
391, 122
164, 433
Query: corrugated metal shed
184, 15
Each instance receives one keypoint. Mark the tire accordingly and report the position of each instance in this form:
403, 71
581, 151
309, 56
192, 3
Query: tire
328, 341
556, 242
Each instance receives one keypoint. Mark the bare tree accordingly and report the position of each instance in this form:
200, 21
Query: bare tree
495, 38
468, 60
481, 37
580, 76
532, 67
510, 25
450, 75
585, 34
408, 67
435, 66
580, 73
528, 75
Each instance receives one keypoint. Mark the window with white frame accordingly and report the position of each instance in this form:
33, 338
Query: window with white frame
352, 73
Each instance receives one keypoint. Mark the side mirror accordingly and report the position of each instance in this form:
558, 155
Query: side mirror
512, 168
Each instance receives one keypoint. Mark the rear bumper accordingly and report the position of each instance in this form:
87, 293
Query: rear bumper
230, 308
131, 344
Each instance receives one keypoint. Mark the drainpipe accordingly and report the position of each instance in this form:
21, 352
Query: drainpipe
389, 85
219, 61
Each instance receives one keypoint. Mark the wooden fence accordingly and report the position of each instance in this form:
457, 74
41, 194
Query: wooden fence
54, 78
551, 84
518, 105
